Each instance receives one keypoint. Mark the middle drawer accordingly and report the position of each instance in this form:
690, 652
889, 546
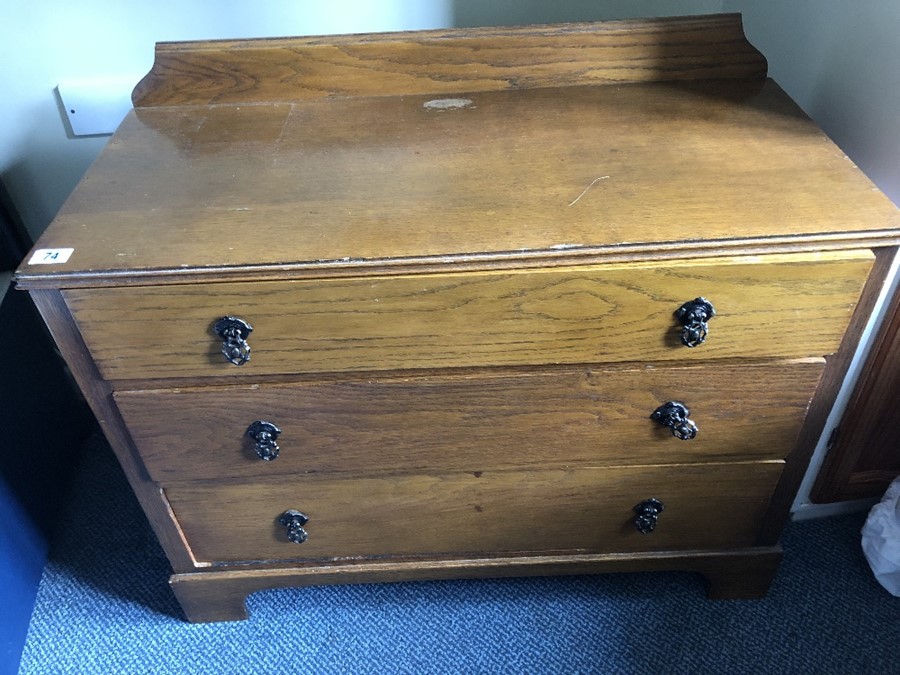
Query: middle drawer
552, 418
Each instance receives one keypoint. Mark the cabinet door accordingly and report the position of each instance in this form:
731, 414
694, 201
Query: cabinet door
866, 454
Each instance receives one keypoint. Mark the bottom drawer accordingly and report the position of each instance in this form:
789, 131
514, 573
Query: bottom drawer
481, 513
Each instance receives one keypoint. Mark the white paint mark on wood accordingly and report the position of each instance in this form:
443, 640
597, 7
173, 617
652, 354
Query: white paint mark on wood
448, 103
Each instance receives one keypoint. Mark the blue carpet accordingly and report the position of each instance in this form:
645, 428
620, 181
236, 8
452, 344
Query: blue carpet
104, 607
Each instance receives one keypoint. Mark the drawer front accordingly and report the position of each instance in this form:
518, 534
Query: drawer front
771, 306
552, 418
585, 510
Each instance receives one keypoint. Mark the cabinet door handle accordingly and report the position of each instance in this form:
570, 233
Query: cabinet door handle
675, 416
234, 333
694, 316
294, 521
647, 515
265, 434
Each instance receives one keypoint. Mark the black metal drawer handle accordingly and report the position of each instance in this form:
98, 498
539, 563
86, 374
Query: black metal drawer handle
265, 434
234, 333
694, 316
294, 521
675, 416
647, 515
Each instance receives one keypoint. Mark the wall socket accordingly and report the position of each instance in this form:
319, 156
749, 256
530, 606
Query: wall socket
96, 106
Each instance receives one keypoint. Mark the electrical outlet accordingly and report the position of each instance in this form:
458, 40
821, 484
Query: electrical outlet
96, 106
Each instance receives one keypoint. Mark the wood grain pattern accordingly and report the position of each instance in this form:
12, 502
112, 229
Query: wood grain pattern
549, 419
360, 186
447, 61
464, 314
219, 595
785, 306
586, 510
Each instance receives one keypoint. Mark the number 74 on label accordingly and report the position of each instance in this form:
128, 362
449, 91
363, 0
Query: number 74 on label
51, 256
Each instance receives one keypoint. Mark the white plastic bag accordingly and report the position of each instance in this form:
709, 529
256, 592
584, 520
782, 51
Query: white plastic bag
881, 539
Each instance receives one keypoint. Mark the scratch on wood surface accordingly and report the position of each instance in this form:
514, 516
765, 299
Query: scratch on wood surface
593, 183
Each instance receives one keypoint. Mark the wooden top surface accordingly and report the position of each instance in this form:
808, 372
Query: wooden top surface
449, 61
547, 175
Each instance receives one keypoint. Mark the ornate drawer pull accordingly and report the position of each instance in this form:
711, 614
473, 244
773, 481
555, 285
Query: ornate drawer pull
693, 315
675, 416
265, 434
647, 515
234, 332
294, 521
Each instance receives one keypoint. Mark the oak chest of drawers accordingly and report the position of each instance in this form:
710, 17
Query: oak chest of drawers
545, 300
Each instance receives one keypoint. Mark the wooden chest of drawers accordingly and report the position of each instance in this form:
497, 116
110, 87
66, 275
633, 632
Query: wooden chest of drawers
499, 302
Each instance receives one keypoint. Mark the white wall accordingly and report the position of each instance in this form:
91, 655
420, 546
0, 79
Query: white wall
50, 41
43, 42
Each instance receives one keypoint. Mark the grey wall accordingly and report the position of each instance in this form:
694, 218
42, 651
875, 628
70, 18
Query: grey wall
841, 62
466, 13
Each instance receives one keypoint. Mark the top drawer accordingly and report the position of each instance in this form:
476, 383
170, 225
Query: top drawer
790, 305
